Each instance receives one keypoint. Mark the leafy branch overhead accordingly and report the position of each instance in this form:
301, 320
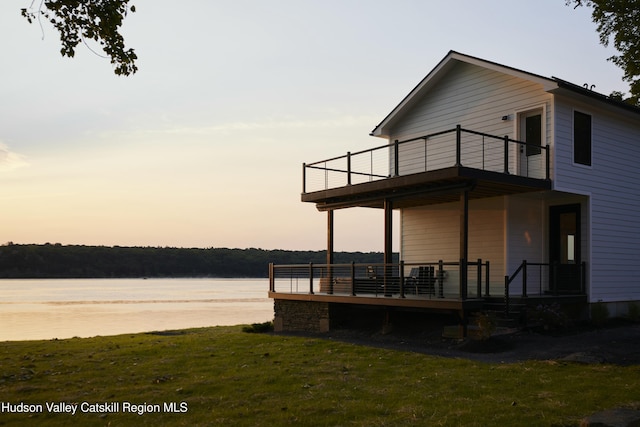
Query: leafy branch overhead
81, 20
619, 21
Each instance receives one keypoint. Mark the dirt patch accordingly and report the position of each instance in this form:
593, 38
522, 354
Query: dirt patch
617, 343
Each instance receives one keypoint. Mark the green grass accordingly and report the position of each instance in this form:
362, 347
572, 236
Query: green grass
228, 377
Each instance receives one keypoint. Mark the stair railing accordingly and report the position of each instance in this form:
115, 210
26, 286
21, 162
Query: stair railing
507, 281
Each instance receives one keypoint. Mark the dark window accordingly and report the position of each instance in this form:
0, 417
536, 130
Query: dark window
581, 138
533, 135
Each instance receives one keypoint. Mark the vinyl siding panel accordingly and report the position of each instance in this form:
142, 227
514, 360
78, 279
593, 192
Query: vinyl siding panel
526, 225
431, 233
613, 183
477, 99
526, 240
474, 97
468, 95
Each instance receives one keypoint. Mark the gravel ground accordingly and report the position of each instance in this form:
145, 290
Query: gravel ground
617, 343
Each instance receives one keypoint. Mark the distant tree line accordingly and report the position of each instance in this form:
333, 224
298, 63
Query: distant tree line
79, 261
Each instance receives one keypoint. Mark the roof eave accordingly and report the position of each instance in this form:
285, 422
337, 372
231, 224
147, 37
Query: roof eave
382, 129
578, 90
411, 96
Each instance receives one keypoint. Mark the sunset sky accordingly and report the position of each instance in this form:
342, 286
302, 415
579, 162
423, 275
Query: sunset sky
203, 146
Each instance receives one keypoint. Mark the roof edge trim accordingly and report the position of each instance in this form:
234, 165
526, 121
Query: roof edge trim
547, 83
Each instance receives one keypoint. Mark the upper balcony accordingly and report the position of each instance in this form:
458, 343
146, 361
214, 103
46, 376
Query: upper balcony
428, 169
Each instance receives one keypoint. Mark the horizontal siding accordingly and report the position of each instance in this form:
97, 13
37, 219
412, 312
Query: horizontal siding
526, 240
431, 233
613, 183
476, 98
526, 237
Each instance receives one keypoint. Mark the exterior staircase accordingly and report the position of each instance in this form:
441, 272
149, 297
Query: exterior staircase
512, 317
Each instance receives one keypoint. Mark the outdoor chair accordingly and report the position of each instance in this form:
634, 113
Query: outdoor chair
411, 281
426, 280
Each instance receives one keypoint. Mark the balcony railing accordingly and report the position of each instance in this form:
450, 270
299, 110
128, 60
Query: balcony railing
426, 280
453, 147
539, 278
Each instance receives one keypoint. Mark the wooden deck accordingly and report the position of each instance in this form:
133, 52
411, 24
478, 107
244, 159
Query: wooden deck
386, 286
409, 301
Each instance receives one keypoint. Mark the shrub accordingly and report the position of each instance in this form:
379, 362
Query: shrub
258, 327
486, 324
548, 317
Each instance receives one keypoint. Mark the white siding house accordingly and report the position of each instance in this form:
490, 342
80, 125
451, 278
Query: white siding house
508, 184
496, 99
610, 187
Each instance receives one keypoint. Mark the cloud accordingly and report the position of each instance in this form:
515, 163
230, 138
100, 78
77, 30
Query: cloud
10, 160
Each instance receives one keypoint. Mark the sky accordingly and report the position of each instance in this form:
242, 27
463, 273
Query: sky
204, 145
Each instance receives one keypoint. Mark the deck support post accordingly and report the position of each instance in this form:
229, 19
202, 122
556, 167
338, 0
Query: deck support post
272, 278
524, 278
401, 276
463, 327
353, 278
487, 278
330, 251
506, 296
396, 158
506, 154
479, 278
464, 242
458, 145
388, 244
304, 178
547, 165
440, 278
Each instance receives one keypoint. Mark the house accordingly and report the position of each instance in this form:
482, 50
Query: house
512, 189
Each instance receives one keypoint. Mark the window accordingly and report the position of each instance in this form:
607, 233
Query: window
533, 134
581, 138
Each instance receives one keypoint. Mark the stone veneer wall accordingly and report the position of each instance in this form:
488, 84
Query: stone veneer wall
300, 316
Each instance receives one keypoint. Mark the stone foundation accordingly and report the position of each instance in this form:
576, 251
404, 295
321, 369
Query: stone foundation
300, 316
321, 317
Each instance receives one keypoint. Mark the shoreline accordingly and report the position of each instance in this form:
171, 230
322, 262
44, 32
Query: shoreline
48, 309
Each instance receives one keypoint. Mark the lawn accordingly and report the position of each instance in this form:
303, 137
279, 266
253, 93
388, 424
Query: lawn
224, 376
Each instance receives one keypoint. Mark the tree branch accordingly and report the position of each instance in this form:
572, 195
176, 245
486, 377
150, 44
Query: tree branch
81, 20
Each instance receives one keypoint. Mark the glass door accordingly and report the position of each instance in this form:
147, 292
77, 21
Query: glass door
564, 248
530, 124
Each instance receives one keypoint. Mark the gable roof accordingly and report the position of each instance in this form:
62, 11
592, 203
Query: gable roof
563, 84
552, 84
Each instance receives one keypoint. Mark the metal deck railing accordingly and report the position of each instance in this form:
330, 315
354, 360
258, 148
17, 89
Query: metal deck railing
428, 280
453, 147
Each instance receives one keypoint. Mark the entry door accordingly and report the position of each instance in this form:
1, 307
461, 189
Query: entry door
564, 249
531, 133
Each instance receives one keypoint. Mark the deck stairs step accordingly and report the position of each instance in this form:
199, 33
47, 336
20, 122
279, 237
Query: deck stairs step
514, 319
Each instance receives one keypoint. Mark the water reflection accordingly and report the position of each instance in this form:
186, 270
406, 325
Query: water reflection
64, 308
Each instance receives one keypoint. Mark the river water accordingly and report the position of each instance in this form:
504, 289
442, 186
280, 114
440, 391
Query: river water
64, 308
